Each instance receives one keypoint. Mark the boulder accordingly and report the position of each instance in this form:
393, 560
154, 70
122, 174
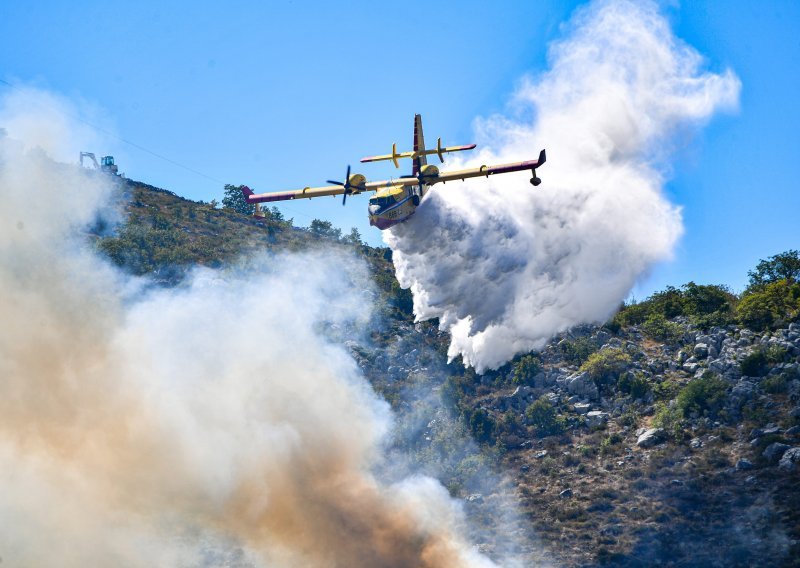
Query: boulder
475, 498
551, 397
411, 358
519, 398
744, 464
690, 368
790, 461
651, 437
581, 384
566, 493
582, 407
602, 337
596, 418
542, 380
774, 452
701, 350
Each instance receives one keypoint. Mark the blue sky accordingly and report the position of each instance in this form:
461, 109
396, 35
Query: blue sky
279, 96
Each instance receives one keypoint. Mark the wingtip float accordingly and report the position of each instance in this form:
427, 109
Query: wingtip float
396, 200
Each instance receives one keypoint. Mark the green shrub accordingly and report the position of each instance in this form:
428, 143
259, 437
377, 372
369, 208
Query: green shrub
702, 396
754, 364
668, 303
576, 351
775, 384
769, 306
659, 328
757, 363
631, 314
635, 385
705, 304
544, 418
610, 441
605, 365
525, 370
666, 390
670, 419
707, 299
480, 424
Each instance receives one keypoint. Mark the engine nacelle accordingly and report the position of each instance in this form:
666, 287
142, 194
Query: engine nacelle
429, 170
358, 181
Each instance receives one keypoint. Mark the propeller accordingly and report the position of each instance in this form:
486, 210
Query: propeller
348, 187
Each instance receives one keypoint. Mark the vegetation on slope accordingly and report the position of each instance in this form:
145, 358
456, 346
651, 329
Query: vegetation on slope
717, 372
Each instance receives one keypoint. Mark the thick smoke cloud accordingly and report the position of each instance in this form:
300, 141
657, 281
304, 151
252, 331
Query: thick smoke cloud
503, 265
212, 424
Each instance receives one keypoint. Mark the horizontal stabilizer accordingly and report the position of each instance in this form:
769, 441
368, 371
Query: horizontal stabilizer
439, 151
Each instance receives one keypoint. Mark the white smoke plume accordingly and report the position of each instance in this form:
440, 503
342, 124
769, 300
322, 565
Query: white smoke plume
207, 425
503, 265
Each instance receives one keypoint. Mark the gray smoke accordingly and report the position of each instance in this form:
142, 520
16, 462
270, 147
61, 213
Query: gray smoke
503, 265
213, 424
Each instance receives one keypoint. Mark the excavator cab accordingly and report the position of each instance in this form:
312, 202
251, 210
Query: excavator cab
107, 164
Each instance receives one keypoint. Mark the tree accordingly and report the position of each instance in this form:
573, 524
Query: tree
325, 229
525, 369
354, 238
544, 418
234, 199
703, 299
770, 305
275, 214
783, 266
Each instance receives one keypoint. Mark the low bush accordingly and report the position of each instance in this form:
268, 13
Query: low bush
544, 418
606, 365
670, 419
577, 351
754, 364
769, 306
659, 328
703, 397
525, 370
633, 384
757, 363
610, 441
775, 384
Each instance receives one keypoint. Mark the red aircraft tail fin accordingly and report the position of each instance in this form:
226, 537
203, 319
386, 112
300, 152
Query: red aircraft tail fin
247, 193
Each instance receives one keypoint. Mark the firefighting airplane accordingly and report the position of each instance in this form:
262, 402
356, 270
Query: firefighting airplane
396, 200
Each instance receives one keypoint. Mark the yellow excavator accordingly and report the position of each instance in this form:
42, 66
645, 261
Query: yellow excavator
106, 163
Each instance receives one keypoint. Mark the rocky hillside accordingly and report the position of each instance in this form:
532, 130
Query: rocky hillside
669, 435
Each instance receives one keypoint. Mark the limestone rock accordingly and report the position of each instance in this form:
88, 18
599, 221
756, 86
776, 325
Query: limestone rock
790, 460
775, 451
651, 437
581, 384
596, 418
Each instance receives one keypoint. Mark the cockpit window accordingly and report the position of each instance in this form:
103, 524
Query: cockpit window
382, 201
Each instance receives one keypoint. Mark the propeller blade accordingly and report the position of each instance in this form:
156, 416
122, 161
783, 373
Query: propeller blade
334, 182
344, 199
347, 177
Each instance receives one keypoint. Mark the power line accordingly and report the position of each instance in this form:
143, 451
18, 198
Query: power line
143, 149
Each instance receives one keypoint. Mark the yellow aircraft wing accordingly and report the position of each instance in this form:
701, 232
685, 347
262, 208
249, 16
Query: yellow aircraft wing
358, 184
429, 175
305, 193
490, 170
